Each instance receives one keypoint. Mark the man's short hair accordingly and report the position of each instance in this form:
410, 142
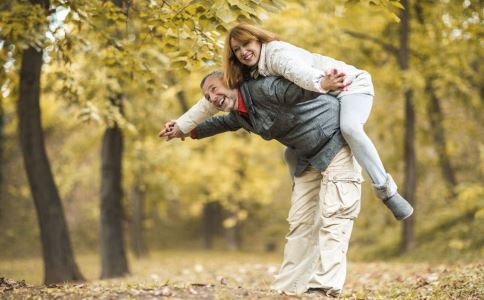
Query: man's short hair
217, 73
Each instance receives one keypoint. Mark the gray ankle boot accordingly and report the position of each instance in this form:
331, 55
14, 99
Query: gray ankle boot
400, 208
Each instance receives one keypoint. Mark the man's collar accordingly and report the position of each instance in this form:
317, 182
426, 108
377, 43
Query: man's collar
241, 104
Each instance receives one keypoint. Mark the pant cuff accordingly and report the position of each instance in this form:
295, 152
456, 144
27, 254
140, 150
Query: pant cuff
386, 190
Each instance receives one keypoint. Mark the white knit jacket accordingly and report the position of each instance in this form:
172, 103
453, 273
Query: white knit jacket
302, 67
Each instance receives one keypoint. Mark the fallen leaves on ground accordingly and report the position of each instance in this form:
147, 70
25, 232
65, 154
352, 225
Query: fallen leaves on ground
242, 280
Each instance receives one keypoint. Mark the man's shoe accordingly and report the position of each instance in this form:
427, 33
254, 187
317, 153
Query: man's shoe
324, 292
400, 208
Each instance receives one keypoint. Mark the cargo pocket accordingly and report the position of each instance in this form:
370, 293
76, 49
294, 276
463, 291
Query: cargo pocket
342, 196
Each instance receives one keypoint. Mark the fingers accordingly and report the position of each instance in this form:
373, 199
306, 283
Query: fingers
336, 80
170, 135
163, 133
168, 128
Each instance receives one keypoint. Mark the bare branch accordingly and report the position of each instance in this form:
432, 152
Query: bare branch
363, 36
387, 46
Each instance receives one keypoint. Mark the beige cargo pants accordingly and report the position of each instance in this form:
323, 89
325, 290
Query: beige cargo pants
323, 207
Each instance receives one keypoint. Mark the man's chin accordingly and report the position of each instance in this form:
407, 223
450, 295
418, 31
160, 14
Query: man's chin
223, 108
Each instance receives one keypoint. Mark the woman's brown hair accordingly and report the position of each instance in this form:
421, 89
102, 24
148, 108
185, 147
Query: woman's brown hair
233, 69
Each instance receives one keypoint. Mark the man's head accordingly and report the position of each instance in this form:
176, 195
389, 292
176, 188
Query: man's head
216, 91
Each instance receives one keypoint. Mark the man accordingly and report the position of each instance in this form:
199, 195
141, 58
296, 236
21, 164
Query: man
327, 183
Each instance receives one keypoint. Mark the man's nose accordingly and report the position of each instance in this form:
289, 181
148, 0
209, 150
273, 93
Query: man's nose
211, 98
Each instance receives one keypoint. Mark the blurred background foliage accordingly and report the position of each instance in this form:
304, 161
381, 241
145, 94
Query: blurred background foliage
233, 191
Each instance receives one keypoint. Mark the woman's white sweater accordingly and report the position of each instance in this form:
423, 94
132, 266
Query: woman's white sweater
298, 65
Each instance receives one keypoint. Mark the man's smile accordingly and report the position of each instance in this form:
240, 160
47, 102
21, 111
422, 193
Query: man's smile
220, 101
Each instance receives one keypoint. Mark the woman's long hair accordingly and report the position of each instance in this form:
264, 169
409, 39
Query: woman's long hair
233, 68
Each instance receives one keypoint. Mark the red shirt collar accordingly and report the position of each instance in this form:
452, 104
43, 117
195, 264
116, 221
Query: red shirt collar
241, 104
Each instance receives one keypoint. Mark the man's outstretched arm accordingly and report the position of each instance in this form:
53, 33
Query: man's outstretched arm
210, 127
216, 125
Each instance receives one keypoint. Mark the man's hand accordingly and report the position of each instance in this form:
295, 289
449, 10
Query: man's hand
171, 131
335, 80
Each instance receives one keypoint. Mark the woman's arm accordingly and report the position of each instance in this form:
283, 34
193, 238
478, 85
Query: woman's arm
295, 64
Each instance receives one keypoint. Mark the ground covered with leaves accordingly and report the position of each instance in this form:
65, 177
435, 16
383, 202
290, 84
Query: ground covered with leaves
212, 275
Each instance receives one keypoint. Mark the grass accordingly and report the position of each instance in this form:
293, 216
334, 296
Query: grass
225, 275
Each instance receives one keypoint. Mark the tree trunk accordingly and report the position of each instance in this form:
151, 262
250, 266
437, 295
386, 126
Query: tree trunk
137, 240
233, 234
180, 95
59, 263
436, 120
408, 240
113, 256
211, 222
114, 262
231, 240
2, 143
409, 140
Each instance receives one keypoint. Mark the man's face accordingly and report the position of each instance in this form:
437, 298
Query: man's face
219, 94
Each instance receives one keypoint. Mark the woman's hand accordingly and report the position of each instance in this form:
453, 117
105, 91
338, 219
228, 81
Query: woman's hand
335, 80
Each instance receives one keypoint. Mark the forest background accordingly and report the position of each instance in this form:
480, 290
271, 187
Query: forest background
113, 72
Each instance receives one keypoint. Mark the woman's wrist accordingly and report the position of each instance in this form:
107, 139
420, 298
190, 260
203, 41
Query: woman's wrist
324, 87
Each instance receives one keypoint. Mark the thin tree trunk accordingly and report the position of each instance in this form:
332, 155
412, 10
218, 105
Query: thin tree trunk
232, 237
180, 95
59, 262
211, 222
114, 262
137, 238
233, 234
408, 240
409, 140
2, 143
113, 257
438, 132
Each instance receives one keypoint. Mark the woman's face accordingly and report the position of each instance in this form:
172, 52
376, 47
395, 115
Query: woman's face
247, 53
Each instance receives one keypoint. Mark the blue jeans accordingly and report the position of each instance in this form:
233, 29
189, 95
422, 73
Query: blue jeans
354, 112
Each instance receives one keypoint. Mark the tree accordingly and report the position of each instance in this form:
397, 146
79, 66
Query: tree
409, 140
2, 142
113, 254
59, 263
138, 200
